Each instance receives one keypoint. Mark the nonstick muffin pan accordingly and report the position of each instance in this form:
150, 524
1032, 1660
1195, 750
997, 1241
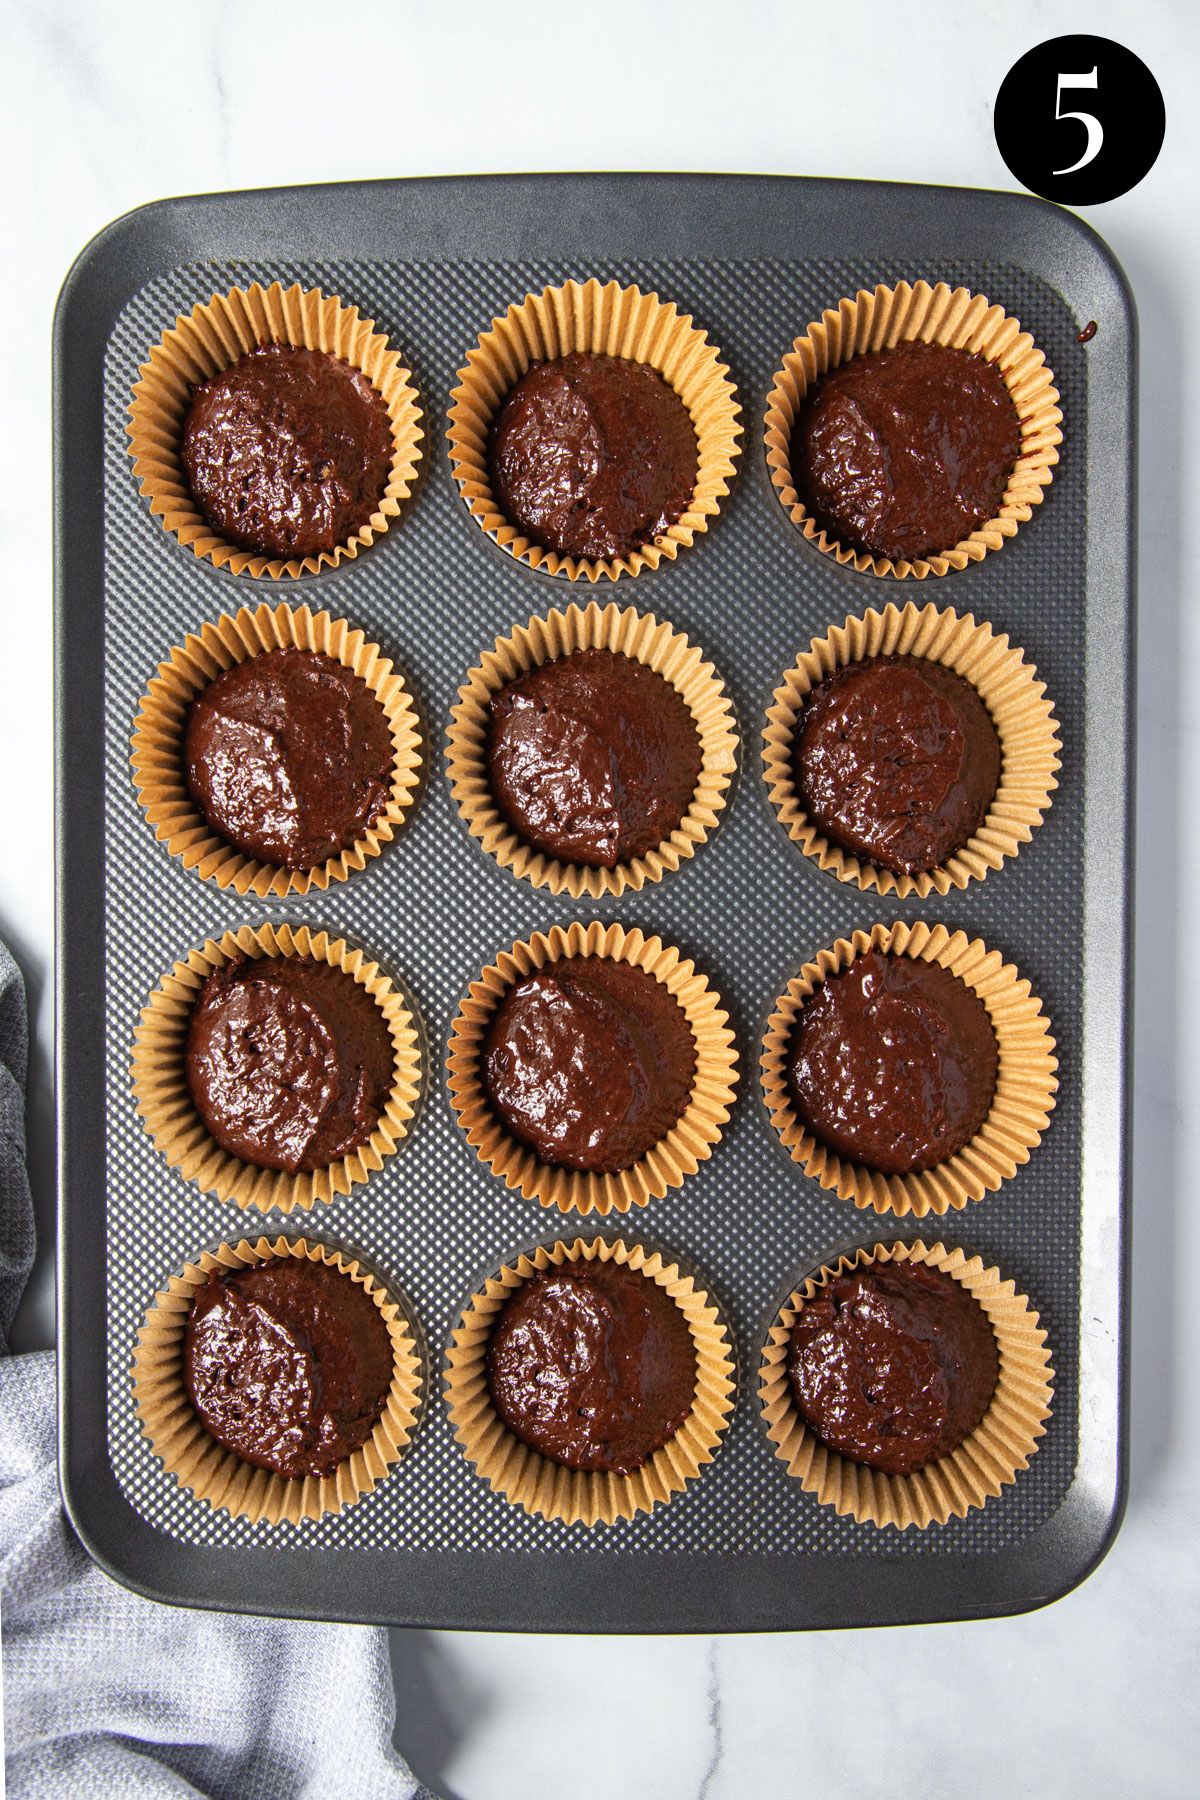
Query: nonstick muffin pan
752, 260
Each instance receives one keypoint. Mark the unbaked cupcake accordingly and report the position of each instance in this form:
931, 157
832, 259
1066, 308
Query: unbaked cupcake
287, 451
593, 431
593, 456
591, 1068
593, 758
592, 750
910, 750
910, 430
909, 1069
289, 1061
905, 1385
289, 757
593, 1366
892, 1063
276, 1067
277, 1380
288, 1364
892, 1365
590, 1381
590, 1061
274, 431
276, 750
902, 453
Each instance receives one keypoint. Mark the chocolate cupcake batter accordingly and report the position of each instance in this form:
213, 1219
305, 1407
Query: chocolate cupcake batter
893, 1365
288, 1363
893, 1063
287, 452
592, 1365
590, 1062
593, 758
289, 756
593, 455
897, 759
904, 452
289, 1061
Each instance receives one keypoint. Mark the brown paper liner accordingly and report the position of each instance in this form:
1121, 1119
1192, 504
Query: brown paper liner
1007, 685
611, 321
574, 1496
877, 320
636, 635
212, 337
1025, 1082
213, 1473
690, 1140
158, 744
987, 1461
165, 1104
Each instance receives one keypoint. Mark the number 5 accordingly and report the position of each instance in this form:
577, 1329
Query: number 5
1095, 130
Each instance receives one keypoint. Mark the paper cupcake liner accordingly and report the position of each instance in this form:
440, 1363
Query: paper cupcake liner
676, 1156
610, 321
1007, 685
212, 337
157, 750
1026, 1083
575, 1496
641, 637
985, 1462
879, 319
165, 1104
213, 1473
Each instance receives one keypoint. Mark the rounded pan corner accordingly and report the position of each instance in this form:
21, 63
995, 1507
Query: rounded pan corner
131, 1552
1094, 1548
104, 1520
1081, 233
106, 254
1063, 1554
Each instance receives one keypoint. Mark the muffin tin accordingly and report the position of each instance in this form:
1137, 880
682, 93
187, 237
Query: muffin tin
752, 260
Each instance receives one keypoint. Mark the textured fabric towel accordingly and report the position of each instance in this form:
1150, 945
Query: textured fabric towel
107, 1694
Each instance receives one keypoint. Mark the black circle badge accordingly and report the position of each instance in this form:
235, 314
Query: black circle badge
1080, 120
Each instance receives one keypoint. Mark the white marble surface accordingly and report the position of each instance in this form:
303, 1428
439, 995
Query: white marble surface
109, 105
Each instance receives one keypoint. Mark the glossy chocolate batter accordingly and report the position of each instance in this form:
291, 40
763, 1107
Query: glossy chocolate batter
289, 756
593, 1365
289, 1061
893, 1365
288, 1364
904, 452
593, 758
287, 452
593, 455
589, 1062
893, 1063
897, 759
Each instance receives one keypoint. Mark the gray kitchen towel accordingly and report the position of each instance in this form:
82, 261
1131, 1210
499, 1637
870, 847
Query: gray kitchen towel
107, 1694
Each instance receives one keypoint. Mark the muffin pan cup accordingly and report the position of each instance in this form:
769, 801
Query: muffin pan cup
877, 320
1023, 1100
643, 638
609, 320
1008, 686
987, 1461
691, 1139
211, 338
166, 1108
218, 1476
743, 1546
577, 1496
157, 748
